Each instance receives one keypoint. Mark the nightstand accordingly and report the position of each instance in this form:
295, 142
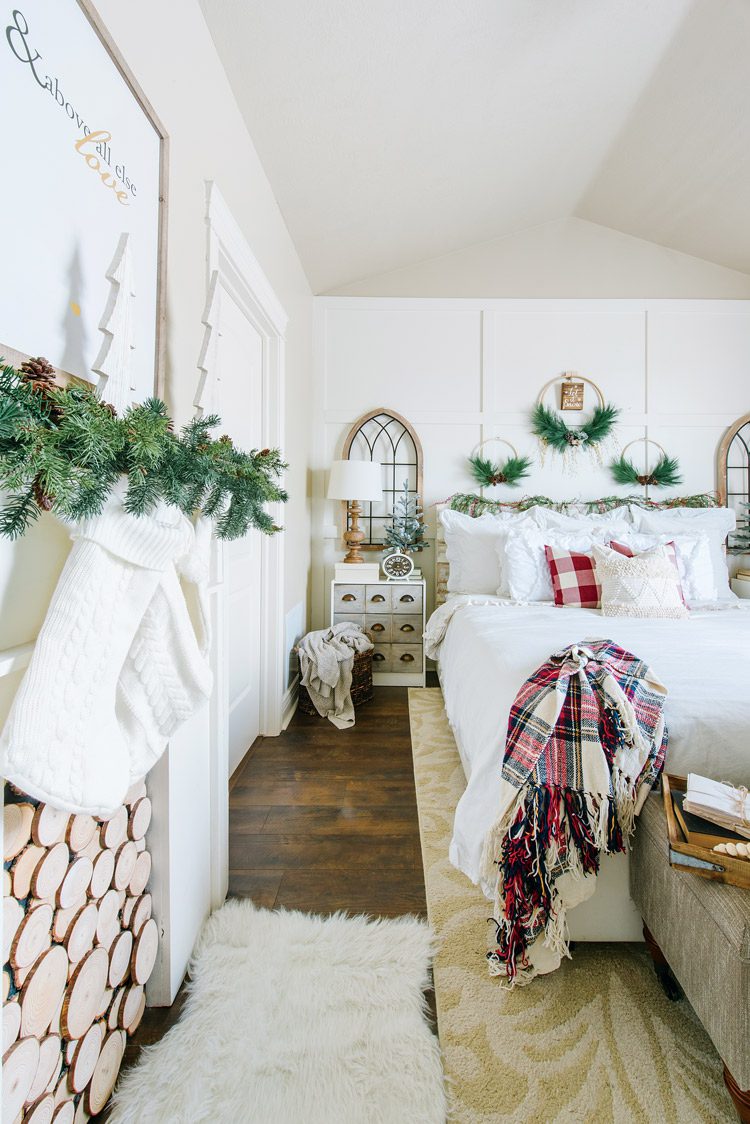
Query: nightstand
394, 615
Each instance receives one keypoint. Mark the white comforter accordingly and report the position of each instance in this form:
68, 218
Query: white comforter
486, 648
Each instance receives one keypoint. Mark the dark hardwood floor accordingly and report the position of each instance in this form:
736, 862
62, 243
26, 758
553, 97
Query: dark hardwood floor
322, 819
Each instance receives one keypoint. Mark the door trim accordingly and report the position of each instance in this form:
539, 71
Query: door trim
233, 266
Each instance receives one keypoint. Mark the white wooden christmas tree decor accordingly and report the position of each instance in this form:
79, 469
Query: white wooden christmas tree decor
206, 399
114, 363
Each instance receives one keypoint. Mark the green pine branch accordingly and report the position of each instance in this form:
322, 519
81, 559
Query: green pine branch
63, 449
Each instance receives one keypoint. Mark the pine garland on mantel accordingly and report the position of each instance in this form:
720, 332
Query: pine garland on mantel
62, 449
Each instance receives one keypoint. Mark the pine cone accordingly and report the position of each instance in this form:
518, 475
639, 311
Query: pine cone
38, 371
41, 498
225, 439
109, 408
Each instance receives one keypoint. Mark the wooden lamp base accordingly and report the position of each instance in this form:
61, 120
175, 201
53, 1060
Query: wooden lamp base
353, 537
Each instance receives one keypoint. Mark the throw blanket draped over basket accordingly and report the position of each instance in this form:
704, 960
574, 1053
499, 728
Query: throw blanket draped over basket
586, 742
326, 660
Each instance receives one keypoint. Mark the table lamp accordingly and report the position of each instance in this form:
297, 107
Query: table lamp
363, 479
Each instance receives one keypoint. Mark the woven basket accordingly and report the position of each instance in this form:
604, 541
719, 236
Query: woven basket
361, 684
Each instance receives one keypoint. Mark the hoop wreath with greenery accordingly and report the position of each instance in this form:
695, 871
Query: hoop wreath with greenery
665, 473
63, 449
511, 471
553, 432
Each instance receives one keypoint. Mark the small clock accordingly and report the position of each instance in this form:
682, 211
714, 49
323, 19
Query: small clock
397, 567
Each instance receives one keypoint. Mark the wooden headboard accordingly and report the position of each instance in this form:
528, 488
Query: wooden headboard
442, 566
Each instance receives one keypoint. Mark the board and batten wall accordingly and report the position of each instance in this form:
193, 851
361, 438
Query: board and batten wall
463, 370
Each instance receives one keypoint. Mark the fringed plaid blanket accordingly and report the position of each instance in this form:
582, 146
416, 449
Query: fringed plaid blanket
586, 741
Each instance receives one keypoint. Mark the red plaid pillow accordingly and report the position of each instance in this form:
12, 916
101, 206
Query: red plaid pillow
573, 578
623, 548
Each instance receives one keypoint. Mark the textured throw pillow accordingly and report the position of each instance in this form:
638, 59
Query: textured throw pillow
624, 548
643, 586
693, 554
573, 578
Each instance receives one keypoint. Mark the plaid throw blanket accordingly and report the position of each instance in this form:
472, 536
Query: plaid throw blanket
586, 741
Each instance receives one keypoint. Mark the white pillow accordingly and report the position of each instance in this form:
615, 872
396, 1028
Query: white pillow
694, 561
526, 566
716, 522
644, 586
474, 549
619, 519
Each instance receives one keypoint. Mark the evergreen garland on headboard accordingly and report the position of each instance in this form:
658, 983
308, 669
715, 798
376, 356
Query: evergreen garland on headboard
475, 505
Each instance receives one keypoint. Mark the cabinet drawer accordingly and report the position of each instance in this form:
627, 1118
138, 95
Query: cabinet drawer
381, 658
351, 618
379, 628
406, 658
348, 599
407, 630
378, 599
407, 599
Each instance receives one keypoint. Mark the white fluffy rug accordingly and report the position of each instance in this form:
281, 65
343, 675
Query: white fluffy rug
296, 1019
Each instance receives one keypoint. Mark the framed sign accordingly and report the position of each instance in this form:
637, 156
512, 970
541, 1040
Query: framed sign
83, 201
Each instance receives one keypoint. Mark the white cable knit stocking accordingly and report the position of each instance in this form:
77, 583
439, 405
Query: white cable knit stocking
116, 668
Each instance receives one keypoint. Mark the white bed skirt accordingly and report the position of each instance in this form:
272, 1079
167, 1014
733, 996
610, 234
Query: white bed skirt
610, 913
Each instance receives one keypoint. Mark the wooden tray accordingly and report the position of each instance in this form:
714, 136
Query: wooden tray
699, 860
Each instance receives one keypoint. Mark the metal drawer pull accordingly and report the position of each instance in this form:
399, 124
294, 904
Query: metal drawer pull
377, 627
407, 658
377, 656
406, 597
378, 597
407, 628
349, 597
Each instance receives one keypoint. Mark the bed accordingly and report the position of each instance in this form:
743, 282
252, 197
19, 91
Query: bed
486, 646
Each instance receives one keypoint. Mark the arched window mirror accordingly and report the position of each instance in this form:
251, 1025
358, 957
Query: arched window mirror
733, 469
385, 436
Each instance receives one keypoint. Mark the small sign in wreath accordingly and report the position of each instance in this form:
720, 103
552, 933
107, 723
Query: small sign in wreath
665, 473
554, 433
510, 471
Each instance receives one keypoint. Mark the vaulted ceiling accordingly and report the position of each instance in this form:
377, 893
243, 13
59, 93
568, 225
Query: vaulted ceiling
393, 131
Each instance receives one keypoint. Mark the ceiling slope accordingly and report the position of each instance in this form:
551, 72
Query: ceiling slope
394, 132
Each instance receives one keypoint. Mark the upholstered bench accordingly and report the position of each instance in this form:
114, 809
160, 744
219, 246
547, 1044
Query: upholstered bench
699, 930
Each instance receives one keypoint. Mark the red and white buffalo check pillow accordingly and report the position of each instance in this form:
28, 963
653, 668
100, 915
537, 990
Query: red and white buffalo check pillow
573, 578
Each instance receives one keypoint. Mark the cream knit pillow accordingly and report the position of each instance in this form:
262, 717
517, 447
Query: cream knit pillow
643, 586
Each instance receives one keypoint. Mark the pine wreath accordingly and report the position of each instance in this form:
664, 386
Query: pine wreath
62, 450
551, 430
665, 473
511, 471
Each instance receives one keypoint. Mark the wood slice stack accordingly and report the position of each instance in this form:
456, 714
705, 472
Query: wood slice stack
79, 944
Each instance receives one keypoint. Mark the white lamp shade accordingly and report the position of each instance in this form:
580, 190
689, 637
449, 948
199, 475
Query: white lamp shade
355, 480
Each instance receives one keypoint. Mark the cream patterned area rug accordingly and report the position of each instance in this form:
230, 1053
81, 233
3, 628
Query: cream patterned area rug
296, 1019
595, 1042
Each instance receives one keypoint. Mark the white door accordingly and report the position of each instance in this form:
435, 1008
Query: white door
239, 401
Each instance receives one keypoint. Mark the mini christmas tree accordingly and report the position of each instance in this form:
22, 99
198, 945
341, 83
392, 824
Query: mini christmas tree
406, 532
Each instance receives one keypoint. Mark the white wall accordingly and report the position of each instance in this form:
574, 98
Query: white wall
566, 258
170, 51
465, 370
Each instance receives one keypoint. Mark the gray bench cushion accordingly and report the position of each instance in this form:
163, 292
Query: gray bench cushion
703, 929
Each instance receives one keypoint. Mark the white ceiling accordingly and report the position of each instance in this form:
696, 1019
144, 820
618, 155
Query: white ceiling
393, 131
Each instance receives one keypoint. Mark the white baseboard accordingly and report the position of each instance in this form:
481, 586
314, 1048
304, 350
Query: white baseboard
289, 702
